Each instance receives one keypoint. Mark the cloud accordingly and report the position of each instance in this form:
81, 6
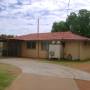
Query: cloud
24, 14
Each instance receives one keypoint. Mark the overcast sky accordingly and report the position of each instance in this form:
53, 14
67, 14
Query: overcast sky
20, 16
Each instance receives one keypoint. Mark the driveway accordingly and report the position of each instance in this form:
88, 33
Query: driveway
40, 82
44, 76
36, 67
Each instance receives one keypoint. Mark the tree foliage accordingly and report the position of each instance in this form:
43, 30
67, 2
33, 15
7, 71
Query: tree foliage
59, 26
78, 23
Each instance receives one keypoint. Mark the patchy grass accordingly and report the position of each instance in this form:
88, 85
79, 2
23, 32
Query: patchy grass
7, 74
66, 62
82, 65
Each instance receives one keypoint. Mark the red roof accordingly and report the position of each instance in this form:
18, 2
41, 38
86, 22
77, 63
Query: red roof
52, 36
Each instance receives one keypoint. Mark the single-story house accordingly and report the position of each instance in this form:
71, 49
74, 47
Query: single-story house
59, 45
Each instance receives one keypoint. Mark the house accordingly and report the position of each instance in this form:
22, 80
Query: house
48, 45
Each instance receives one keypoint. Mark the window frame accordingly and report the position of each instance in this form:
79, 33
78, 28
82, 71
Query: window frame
31, 44
44, 45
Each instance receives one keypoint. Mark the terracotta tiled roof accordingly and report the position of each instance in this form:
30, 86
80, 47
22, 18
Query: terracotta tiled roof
52, 36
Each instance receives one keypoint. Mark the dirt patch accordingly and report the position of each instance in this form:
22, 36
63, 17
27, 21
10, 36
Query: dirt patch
84, 67
82, 84
13, 70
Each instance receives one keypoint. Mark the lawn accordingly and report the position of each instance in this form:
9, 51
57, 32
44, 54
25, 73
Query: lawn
7, 74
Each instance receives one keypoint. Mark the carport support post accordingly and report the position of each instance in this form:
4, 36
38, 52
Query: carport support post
7, 47
38, 48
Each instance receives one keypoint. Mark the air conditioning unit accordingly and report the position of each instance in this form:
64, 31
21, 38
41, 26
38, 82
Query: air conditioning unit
55, 51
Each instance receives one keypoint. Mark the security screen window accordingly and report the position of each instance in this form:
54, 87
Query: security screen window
31, 44
44, 45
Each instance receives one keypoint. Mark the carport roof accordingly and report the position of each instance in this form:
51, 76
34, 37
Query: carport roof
52, 36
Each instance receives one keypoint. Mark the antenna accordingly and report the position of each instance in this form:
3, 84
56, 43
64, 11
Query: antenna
68, 7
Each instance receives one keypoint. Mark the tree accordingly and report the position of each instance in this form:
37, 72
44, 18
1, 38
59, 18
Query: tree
78, 23
59, 26
72, 22
84, 22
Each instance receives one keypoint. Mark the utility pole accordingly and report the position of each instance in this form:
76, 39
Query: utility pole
38, 34
38, 26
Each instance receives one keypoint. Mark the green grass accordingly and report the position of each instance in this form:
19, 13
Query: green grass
5, 79
7, 74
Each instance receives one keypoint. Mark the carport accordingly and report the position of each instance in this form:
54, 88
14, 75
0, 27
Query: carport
10, 48
13, 48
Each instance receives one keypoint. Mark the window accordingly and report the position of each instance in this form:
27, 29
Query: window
1, 44
31, 44
44, 45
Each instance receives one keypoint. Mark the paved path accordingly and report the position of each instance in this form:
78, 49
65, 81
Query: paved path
47, 69
38, 82
43, 76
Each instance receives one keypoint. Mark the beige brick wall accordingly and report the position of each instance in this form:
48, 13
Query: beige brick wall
76, 48
33, 53
42, 53
84, 51
72, 48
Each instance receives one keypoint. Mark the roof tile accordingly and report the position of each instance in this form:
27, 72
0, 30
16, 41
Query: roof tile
52, 36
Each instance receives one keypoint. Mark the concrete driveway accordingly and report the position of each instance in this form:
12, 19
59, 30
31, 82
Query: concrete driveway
31, 66
44, 76
40, 76
40, 82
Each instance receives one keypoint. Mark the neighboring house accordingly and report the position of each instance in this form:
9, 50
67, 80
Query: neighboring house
50, 45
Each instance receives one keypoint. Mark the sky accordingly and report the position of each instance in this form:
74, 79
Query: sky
18, 17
